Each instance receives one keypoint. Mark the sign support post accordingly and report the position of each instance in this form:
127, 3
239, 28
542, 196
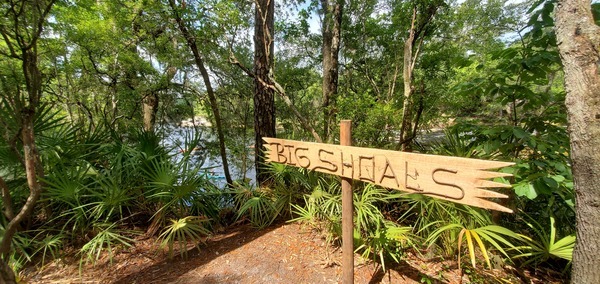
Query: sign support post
347, 212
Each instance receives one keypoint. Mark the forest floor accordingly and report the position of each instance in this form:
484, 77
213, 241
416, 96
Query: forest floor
283, 253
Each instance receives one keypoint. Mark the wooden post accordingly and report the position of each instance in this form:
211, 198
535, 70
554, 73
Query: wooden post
347, 212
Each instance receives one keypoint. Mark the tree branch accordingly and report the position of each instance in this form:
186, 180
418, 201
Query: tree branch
12, 53
281, 92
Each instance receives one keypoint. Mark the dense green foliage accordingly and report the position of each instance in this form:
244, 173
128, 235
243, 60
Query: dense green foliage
484, 77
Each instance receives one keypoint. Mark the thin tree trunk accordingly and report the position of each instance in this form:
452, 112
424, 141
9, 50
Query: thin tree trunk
151, 100
6, 200
579, 45
25, 111
405, 131
7, 276
35, 189
264, 99
191, 41
32, 162
33, 170
332, 22
392, 88
150, 108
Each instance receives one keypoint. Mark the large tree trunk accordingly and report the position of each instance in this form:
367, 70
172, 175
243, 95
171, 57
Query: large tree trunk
191, 41
579, 45
332, 22
264, 99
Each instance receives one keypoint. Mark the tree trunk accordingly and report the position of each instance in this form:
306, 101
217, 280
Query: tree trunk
332, 22
6, 200
264, 99
32, 168
24, 41
579, 45
151, 100
7, 276
150, 109
406, 129
278, 89
191, 41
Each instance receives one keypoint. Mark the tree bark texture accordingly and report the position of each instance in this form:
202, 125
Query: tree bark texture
6, 200
32, 162
20, 31
31, 157
191, 41
151, 99
7, 276
264, 99
332, 22
406, 129
579, 45
150, 108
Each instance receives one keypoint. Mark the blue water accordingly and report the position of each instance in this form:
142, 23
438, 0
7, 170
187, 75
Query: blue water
179, 139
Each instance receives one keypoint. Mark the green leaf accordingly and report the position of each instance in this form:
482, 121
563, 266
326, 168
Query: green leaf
520, 133
527, 190
558, 178
596, 13
552, 183
541, 187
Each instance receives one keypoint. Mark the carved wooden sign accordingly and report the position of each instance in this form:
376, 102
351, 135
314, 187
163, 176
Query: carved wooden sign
460, 180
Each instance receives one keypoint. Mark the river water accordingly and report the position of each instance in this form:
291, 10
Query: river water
203, 147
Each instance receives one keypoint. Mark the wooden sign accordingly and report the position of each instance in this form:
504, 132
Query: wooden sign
454, 179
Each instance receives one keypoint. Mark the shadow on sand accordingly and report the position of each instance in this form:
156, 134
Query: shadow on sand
169, 270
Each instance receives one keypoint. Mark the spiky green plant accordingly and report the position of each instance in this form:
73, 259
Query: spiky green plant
458, 144
424, 211
107, 238
66, 186
499, 237
179, 188
321, 208
260, 209
209, 201
264, 205
386, 241
366, 206
109, 199
49, 245
545, 245
182, 231
374, 236
309, 213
